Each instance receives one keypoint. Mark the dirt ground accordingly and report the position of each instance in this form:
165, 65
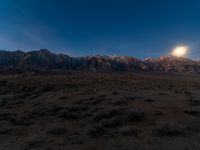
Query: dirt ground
100, 112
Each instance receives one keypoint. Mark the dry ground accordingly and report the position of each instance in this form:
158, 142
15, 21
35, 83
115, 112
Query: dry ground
100, 111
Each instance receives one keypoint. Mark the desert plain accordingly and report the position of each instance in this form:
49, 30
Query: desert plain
100, 111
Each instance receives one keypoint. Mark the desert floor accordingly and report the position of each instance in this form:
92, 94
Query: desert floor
100, 112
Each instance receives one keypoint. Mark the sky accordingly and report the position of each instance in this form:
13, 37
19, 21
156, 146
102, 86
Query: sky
139, 28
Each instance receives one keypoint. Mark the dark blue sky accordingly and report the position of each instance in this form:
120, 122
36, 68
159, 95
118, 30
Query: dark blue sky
140, 28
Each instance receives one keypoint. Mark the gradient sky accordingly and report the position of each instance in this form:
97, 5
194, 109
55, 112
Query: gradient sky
140, 28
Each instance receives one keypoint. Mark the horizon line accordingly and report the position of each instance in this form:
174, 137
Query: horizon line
112, 55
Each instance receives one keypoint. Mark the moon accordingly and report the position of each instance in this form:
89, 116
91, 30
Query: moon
180, 51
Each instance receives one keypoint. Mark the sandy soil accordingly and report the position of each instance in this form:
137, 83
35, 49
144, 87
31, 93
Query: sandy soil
100, 111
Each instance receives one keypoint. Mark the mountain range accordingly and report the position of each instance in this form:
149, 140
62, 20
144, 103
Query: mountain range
44, 60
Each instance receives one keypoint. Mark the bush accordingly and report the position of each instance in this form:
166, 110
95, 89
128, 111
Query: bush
135, 116
66, 115
106, 114
128, 131
149, 100
191, 112
95, 131
57, 131
170, 129
113, 122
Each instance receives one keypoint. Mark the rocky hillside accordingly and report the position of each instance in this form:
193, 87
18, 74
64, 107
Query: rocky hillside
44, 60
173, 64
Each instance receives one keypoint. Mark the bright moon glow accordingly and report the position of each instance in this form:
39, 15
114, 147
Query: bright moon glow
180, 51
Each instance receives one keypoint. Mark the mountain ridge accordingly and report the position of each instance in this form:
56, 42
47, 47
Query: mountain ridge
44, 60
